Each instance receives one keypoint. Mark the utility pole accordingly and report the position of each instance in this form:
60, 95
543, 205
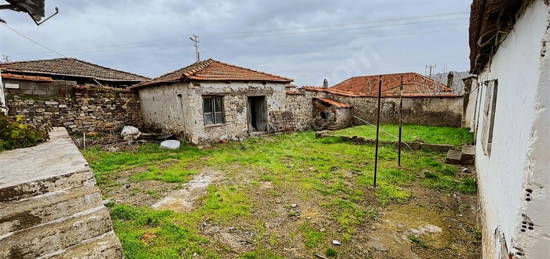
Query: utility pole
431, 69
195, 40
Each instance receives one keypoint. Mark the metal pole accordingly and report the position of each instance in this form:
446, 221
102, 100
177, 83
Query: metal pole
400, 122
377, 130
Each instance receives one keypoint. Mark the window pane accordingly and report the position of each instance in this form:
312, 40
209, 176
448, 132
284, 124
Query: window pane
208, 119
219, 117
218, 104
207, 105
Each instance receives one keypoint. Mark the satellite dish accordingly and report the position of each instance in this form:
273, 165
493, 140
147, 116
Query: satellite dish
35, 8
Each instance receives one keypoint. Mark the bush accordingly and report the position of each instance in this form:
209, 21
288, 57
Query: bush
14, 134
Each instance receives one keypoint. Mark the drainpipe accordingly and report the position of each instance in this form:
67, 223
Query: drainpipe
3, 105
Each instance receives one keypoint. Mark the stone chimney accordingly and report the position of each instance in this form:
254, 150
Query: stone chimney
450, 79
325, 83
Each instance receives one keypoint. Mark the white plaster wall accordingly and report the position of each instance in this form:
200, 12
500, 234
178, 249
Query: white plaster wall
503, 174
470, 109
163, 109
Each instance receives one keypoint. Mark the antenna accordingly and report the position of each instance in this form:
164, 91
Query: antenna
195, 40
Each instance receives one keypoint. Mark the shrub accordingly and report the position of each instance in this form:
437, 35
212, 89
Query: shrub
14, 134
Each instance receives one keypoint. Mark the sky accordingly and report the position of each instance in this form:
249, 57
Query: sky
306, 40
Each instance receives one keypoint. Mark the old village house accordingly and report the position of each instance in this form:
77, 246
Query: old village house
213, 101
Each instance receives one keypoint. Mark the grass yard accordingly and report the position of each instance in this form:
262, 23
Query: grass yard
428, 134
290, 196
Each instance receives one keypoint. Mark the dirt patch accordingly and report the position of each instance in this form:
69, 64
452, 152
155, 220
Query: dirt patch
184, 200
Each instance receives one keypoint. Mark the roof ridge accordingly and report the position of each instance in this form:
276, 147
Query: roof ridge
108, 68
252, 70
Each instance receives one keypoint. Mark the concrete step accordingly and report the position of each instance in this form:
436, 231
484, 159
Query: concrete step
56, 235
45, 208
104, 246
437, 147
454, 157
468, 154
55, 183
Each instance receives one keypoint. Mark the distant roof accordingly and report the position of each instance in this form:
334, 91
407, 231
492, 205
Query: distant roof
213, 70
26, 78
334, 103
71, 67
414, 85
490, 22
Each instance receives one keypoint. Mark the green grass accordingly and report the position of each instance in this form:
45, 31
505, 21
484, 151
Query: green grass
312, 236
335, 175
427, 134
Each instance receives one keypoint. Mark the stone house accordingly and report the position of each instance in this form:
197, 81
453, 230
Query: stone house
425, 101
211, 101
508, 112
71, 93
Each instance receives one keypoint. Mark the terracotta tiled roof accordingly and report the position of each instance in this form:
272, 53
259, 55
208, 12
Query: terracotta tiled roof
26, 78
335, 103
414, 85
71, 67
213, 70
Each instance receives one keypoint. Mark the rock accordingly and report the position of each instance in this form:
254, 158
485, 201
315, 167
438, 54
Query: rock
130, 133
170, 144
113, 149
294, 205
336, 243
466, 170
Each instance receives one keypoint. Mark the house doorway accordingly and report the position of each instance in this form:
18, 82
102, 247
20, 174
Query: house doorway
257, 113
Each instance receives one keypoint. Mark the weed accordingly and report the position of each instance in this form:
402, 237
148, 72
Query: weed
312, 236
418, 241
331, 252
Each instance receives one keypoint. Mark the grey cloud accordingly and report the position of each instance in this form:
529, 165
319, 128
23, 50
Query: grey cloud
303, 39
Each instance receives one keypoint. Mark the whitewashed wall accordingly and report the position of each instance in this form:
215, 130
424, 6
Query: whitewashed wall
520, 155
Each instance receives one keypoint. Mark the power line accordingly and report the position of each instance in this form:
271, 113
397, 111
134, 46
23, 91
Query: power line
287, 31
34, 41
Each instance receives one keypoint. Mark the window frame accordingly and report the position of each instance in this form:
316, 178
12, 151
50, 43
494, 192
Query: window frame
213, 110
489, 114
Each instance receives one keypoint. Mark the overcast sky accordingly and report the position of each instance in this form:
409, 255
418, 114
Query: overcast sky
306, 40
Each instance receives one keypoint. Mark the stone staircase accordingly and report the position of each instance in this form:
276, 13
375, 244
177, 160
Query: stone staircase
50, 206
465, 156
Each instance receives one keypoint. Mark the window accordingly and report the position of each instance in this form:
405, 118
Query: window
489, 115
213, 110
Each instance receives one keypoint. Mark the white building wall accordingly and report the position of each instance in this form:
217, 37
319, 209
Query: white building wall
519, 146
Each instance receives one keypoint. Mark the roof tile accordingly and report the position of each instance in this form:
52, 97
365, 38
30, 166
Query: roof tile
213, 70
71, 67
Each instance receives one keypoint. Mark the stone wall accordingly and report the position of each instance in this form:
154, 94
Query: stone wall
434, 111
79, 109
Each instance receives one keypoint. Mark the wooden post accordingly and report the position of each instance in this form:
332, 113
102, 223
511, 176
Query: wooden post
400, 122
377, 130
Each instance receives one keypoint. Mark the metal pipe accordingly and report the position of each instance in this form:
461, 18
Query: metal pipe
377, 130
400, 122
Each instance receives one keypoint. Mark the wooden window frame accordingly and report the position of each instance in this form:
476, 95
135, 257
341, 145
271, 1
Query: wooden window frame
213, 99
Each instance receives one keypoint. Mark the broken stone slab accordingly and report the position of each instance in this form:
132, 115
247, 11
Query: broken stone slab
454, 157
170, 144
130, 133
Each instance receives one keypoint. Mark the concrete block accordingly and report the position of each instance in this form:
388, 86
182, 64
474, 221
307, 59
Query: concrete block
55, 236
42, 209
468, 154
454, 157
